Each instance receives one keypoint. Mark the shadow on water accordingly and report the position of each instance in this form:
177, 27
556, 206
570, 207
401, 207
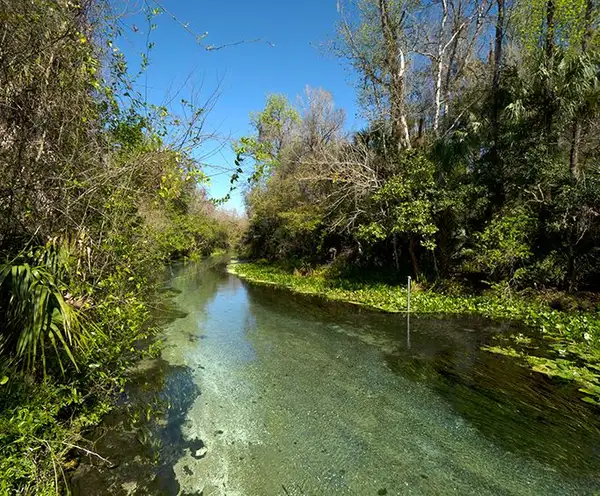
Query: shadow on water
142, 438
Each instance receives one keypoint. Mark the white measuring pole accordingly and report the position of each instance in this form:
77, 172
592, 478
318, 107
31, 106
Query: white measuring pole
408, 314
408, 297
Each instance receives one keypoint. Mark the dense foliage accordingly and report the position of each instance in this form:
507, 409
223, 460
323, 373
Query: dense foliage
477, 174
98, 190
479, 163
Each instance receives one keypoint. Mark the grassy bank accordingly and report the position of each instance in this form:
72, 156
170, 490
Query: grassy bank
569, 347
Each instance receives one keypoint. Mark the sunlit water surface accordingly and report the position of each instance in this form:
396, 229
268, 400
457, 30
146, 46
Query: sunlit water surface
269, 393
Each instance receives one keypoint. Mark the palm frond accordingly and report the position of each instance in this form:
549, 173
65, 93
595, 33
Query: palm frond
36, 315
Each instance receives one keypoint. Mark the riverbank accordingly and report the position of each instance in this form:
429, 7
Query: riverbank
43, 424
562, 344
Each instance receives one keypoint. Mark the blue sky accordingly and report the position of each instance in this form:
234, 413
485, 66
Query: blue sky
243, 74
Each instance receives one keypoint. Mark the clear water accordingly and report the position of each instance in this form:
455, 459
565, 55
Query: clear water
269, 393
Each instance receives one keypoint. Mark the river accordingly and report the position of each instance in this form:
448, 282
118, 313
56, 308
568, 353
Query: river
263, 392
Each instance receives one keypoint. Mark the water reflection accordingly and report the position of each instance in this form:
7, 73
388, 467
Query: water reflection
142, 439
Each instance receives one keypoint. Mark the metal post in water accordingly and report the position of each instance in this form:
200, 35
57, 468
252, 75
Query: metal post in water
408, 315
408, 297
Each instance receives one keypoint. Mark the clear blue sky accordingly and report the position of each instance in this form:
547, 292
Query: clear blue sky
245, 73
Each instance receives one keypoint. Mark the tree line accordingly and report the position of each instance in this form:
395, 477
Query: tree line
479, 162
98, 190
97, 183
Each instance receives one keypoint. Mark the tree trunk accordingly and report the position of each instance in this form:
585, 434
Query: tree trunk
448, 77
496, 73
577, 123
396, 67
575, 143
420, 141
400, 96
396, 256
550, 34
440, 69
496, 163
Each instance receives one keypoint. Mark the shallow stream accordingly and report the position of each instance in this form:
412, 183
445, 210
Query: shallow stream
268, 393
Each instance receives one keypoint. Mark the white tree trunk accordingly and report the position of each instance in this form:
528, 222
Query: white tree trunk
405, 131
440, 68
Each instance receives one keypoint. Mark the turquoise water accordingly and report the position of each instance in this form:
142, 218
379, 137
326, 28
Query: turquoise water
268, 393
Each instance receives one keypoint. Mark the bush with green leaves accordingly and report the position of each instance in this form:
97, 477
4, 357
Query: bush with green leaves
504, 246
99, 190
